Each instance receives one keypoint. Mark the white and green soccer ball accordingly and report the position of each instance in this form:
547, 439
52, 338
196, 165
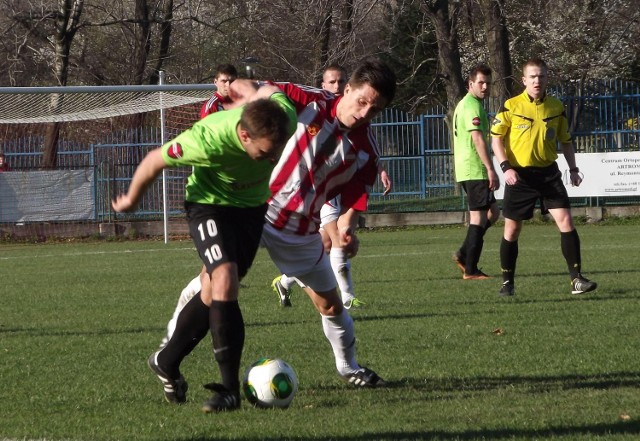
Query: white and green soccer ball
270, 382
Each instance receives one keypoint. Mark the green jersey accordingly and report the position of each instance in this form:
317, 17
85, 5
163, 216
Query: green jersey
223, 172
469, 116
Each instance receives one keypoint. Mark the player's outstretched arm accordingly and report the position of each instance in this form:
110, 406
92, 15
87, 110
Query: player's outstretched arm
243, 91
147, 171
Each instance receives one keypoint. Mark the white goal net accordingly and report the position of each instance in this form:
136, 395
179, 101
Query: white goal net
97, 136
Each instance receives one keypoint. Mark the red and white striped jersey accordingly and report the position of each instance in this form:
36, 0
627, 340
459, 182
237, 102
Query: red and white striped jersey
214, 104
321, 161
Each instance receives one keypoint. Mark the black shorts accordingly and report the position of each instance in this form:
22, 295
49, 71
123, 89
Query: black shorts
535, 183
226, 234
479, 196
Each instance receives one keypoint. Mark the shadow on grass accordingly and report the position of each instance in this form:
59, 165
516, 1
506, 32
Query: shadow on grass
592, 430
535, 384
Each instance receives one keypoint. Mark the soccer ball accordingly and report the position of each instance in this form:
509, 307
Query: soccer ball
270, 382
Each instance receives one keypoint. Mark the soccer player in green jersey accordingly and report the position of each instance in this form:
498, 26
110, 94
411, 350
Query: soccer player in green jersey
474, 170
233, 154
525, 134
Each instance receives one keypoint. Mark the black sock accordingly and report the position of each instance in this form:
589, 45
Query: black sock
508, 257
227, 329
570, 244
191, 327
487, 225
475, 241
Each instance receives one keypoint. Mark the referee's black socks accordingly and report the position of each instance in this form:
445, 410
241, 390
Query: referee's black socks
570, 244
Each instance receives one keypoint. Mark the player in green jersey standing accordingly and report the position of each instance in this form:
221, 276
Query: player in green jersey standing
474, 170
233, 154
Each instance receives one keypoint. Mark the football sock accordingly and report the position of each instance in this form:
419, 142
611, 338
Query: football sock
191, 327
475, 241
342, 270
570, 245
227, 329
187, 294
287, 281
508, 257
340, 333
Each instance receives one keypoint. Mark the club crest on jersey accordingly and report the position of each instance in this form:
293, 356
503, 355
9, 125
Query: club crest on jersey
475, 121
313, 129
175, 151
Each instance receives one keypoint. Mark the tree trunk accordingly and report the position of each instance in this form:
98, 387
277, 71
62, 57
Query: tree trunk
495, 24
322, 45
448, 51
165, 38
67, 19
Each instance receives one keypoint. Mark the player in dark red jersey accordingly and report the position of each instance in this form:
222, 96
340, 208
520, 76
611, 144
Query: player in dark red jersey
225, 75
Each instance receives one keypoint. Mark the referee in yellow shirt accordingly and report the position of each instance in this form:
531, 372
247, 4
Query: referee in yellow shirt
524, 137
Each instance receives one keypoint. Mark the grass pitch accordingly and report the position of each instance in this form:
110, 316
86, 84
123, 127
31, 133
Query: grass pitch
78, 320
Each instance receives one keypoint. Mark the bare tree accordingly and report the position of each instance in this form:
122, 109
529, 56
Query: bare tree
67, 21
448, 50
498, 46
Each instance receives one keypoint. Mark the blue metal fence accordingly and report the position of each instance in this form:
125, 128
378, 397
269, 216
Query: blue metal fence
415, 149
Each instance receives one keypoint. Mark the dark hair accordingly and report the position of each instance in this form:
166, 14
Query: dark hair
227, 69
535, 61
376, 74
335, 66
264, 118
478, 68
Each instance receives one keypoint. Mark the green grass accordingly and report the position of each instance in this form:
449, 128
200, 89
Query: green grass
78, 320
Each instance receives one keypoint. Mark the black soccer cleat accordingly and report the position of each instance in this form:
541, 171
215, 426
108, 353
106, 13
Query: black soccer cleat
223, 399
507, 290
364, 377
175, 389
580, 285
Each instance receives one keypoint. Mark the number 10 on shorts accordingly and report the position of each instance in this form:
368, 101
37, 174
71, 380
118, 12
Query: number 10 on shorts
212, 253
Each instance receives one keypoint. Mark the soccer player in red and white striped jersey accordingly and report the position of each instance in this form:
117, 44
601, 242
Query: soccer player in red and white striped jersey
225, 75
332, 153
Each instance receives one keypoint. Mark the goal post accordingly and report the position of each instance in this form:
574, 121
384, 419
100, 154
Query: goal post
103, 132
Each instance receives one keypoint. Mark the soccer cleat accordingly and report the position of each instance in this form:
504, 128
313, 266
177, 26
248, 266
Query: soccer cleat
580, 285
222, 399
175, 389
459, 260
507, 289
353, 302
479, 275
364, 377
283, 294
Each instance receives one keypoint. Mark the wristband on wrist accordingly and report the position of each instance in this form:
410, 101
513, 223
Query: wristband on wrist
504, 166
574, 170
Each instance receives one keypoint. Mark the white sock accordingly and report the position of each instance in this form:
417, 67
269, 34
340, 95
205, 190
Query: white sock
187, 294
287, 282
340, 333
342, 269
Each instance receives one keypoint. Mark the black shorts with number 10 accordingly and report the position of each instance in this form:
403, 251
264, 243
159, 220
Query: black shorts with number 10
226, 234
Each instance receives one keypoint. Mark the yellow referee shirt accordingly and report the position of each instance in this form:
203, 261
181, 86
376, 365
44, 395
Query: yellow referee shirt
531, 129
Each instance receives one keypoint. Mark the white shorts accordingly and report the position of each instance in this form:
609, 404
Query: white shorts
330, 211
302, 257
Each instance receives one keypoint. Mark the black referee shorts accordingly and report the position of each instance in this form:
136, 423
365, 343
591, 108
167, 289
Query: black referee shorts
224, 234
543, 183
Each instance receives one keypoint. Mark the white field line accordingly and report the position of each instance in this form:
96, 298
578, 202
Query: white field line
361, 256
